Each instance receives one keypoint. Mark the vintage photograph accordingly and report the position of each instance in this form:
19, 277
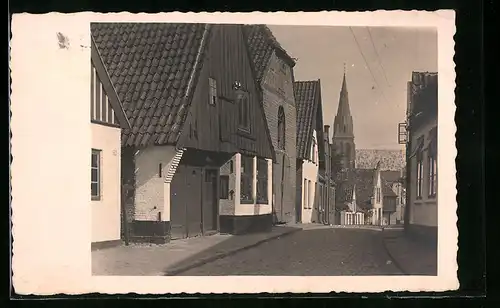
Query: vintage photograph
254, 149
199, 153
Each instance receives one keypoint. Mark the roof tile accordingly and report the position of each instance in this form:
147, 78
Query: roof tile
261, 44
306, 103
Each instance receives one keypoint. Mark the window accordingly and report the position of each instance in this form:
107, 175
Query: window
420, 171
246, 179
432, 176
100, 106
305, 194
95, 175
244, 112
377, 192
310, 194
348, 153
212, 83
262, 182
281, 128
224, 187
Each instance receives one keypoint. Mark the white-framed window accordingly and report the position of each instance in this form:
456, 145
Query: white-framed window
311, 195
262, 181
432, 176
246, 174
377, 194
212, 84
305, 194
95, 174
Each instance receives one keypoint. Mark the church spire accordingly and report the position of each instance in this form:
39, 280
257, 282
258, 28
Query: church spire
343, 119
343, 131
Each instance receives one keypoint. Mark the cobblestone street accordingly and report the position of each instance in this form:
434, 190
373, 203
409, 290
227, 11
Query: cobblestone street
316, 252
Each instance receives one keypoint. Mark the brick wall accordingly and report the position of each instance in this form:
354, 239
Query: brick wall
278, 91
149, 184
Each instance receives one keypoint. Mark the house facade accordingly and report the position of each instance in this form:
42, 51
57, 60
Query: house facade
274, 71
312, 198
107, 119
198, 154
422, 211
394, 180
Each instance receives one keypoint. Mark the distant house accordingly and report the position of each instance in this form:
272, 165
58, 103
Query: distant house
422, 180
274, 71
198, 153
107, 119
364, 197
311, 153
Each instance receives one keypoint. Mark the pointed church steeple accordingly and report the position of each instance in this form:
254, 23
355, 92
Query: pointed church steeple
343, 128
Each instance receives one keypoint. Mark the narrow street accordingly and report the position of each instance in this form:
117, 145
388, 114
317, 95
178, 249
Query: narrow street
317, 252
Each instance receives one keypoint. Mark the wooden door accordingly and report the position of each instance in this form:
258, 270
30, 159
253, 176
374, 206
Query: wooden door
178, 198
210, 201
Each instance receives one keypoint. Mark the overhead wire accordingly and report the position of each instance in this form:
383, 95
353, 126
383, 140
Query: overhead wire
378, 56
366, 63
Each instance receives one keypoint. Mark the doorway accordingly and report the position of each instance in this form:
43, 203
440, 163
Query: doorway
210, 202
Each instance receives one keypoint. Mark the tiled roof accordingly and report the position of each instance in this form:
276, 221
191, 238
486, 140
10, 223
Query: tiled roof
151, 66
261, 44
389, 159
307, 94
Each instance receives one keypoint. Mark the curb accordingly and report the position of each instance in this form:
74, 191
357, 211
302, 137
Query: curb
394, 260
177, 271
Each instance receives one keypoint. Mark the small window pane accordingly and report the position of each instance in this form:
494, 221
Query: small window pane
95, 159
94, 175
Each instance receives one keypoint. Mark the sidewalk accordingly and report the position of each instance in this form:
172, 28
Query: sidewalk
177, 256
412, 257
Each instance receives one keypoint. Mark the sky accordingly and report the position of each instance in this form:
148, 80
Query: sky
377, 99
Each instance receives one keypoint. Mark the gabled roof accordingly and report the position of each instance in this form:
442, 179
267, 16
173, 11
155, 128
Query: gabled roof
309, 114
261, 44
153, 67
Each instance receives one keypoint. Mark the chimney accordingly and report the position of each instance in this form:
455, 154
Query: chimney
327, 131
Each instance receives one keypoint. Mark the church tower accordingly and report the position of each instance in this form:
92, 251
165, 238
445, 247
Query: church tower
343, 131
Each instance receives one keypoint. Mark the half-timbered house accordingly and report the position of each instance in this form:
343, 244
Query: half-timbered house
198, 153
107, 119
274, 71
